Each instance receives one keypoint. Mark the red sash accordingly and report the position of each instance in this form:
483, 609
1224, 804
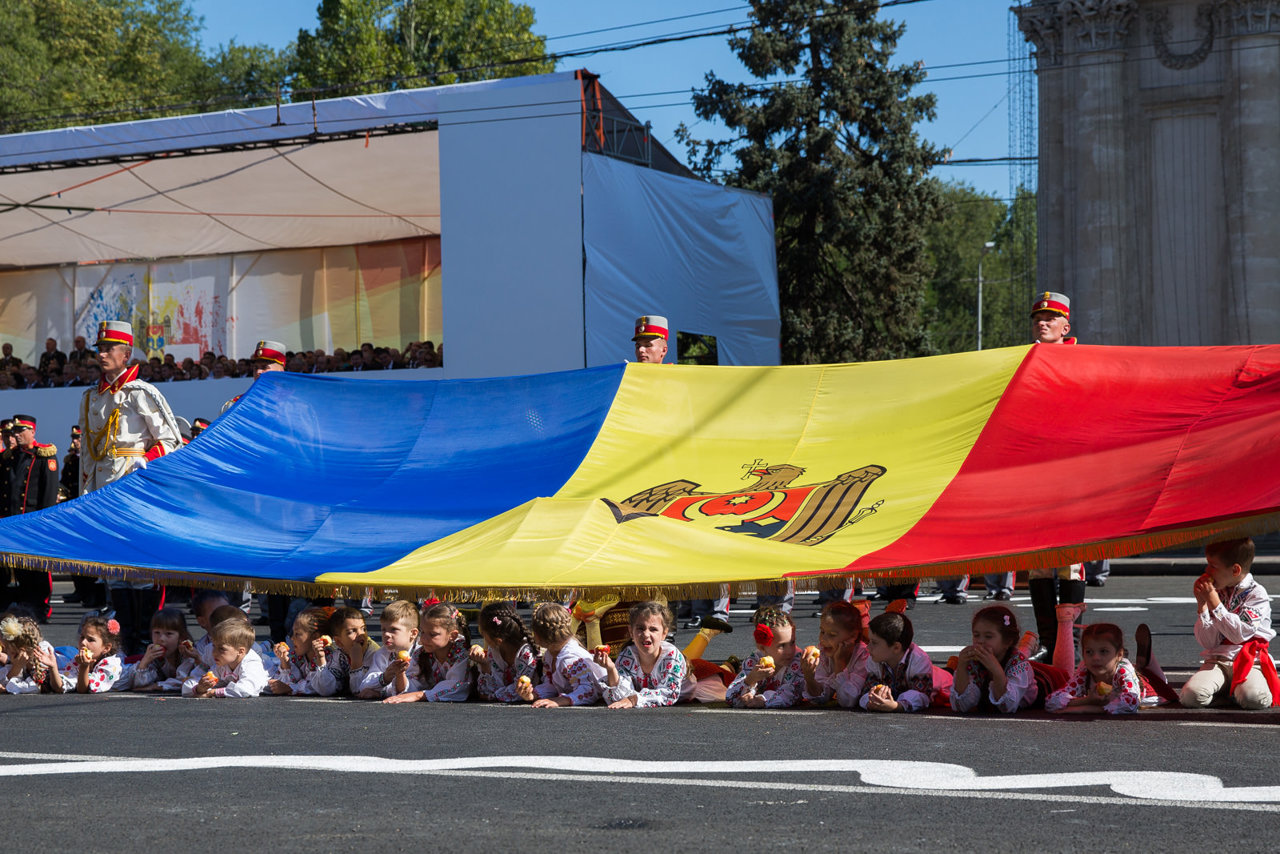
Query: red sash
1251, 652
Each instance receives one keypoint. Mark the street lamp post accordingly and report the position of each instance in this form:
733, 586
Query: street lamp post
986, 247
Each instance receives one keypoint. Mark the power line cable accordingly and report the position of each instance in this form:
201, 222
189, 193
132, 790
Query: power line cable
609, 47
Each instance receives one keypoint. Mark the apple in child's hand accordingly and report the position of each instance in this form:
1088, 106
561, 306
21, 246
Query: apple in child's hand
603, 649
477, 651
523, 681
812, 653
187, 645
403, 655
766, 661
326, 641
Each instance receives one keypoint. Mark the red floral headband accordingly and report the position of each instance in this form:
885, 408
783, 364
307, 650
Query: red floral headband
763, 635
113, 627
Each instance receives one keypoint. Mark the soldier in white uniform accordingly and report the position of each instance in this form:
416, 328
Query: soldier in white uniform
267, 356
125, 423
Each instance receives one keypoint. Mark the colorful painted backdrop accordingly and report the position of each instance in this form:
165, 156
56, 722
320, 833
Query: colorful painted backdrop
383, 293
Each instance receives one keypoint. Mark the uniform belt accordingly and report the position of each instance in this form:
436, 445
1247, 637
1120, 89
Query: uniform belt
127, 451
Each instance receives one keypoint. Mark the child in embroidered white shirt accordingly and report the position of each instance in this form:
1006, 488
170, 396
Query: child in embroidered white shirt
97, 666
31, 660
351, 636
771, 676
237, 667
1105, 680
650, 671
307, 664
1233, 626
444, 663
164, 666
392, 666
991, 673
509, 653
840, 666
570, 677
204, 604
900, 676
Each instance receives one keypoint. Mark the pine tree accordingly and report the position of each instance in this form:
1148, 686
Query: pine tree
829, 133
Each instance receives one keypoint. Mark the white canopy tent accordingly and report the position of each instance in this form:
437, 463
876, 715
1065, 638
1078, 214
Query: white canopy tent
532, 226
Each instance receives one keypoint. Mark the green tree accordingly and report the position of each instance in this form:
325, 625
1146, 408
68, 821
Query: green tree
107, 60
956, 244
363, 45
830, 134
242, 76
1016, 241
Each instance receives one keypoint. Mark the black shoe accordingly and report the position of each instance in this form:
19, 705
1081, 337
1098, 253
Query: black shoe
989, 596
1004, 596
1096, 582
695, 623
1142, 644
950, 599
716, 624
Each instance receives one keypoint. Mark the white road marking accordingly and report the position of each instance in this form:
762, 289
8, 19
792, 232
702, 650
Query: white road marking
1127, 608
1165, 788
942, 649
64, 757
821, 788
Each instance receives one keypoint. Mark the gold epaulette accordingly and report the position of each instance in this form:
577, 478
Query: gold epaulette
46, 450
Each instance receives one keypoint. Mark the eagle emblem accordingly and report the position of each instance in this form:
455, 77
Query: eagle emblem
771, 508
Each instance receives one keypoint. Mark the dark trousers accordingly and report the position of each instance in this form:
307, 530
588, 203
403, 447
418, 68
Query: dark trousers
34, 588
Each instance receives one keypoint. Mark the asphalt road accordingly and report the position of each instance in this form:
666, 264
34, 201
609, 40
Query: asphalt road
130, 771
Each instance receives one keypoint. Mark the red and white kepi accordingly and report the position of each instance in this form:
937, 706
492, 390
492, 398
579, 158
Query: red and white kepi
269, 351
114, 332
1049, 301
650, 326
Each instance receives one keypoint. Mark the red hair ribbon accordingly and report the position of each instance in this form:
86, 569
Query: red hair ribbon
113, 627
763, 635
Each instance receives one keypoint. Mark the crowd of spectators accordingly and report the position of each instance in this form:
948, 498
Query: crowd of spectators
80, 367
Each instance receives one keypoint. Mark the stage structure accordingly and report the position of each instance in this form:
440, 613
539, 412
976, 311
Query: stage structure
1159, 166
524, 222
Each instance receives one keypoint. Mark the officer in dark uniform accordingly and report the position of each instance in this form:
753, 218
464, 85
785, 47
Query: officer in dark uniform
70, 480
31, 474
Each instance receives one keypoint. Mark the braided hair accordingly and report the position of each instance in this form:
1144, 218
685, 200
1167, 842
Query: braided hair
441, 612
501, 622
22, 632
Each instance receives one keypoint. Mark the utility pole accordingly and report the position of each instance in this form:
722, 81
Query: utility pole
986, 247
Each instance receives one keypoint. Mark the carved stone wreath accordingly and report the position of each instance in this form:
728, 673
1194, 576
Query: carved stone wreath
1158, 21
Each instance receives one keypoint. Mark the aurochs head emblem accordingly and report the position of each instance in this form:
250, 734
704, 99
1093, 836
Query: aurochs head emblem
771, 508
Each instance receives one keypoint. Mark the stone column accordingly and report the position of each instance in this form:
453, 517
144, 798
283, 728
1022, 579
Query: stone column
1252, 29
1041, 25
1099, 263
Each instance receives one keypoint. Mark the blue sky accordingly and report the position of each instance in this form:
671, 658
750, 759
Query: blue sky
654, 81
